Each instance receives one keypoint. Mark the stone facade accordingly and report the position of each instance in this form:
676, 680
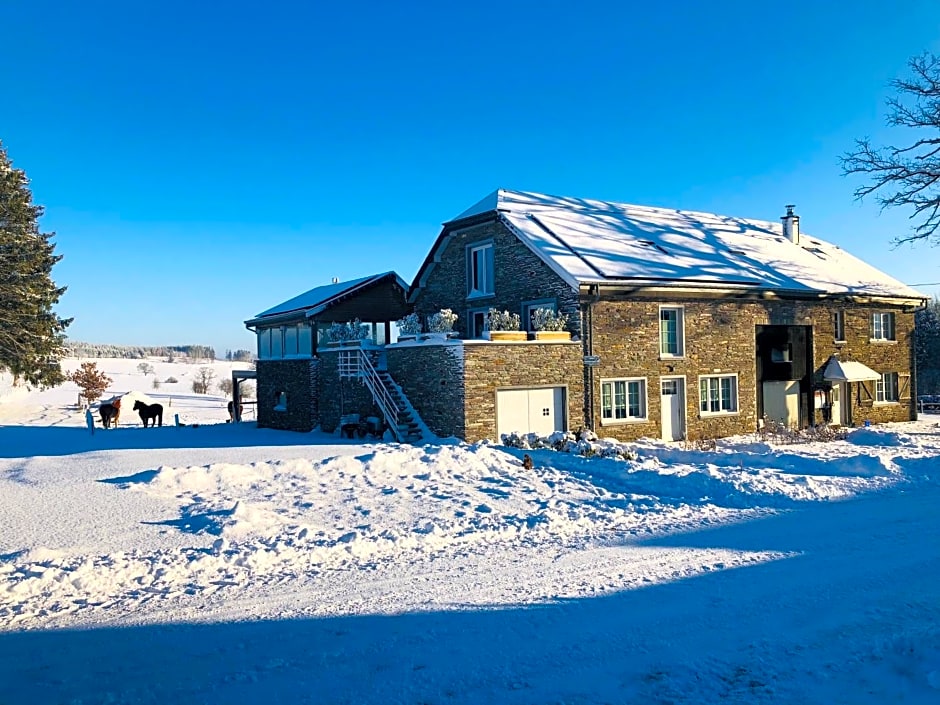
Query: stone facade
296, 378
339, 396
720, 339
492, 366
432, 377
520, 277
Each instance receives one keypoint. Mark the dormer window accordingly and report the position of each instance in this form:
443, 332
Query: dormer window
480, 275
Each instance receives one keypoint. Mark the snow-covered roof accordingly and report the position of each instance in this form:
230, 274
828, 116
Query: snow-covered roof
317, 300
587, 241
848, 371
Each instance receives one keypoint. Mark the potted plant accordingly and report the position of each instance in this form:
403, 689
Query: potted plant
549, 325
409, 327
502, 325
441, 324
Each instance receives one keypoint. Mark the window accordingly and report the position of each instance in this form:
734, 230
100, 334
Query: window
290, 341
718, 394
280, 401
264, 344
480, 278
530, 307
838, 325
277, 342
671, 332
623, 400
305, 340
782, 354
882, 326
477, 319
886, 388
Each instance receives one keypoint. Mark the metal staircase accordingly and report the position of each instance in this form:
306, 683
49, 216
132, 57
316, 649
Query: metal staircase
400, 416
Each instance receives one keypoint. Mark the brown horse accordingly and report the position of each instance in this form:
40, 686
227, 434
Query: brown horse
149, 412
231, 408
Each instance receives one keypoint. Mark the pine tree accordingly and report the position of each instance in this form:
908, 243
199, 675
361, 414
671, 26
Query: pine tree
92, 381
31, 334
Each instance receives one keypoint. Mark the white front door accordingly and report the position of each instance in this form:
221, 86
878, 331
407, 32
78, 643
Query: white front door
540, 411
840, 401
672, 395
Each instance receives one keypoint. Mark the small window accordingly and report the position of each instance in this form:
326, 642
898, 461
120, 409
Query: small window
280, 401
671, 332
480, 275
477, 322
623, 400
886, 388
838, 325
782, 354
718, 394
882, 326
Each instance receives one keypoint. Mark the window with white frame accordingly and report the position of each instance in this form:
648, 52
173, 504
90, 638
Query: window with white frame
480, 279
882, 326
838, 325
886, 388
718, 394
671, 332
623, 400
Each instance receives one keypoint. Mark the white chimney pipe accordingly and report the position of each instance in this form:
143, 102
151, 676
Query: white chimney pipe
791, 225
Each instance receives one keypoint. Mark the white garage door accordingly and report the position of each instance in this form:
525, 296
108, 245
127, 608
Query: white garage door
539, 411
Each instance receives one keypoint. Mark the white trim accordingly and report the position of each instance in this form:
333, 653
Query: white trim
628, 419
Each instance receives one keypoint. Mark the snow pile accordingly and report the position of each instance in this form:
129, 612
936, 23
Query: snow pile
875, 437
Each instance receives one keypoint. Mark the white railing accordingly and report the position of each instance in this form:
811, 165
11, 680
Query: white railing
370, 377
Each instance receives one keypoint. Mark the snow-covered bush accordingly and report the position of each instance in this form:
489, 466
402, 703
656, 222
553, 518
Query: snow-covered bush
772, 431
546, 319
584, 443
410, 324
442, 321
351, 330
502, 320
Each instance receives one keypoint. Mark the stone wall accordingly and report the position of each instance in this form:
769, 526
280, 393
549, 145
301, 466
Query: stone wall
720, 338
520, 276
341, 396
431, 376
490, 366
293, 377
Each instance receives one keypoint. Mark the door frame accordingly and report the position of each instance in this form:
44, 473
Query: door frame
685, 404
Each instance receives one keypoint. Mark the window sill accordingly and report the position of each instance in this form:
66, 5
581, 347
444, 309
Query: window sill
664, 357
882, 341
280, 408
623, 422
477, 296
886, 403
714, 414
840, 341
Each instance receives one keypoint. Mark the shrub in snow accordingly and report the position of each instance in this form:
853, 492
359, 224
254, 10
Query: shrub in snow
410, 324
171, 380
442, 321
546, 319
351, 330
502, 320
584, 443
772, 431
90, 380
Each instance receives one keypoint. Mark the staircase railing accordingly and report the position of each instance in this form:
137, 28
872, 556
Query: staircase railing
370, 377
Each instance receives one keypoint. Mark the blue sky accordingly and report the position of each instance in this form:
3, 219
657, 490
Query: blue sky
209, 160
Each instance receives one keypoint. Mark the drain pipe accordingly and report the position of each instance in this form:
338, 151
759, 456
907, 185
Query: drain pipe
587, 348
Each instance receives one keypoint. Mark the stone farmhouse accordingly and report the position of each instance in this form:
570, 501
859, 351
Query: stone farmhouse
680, 325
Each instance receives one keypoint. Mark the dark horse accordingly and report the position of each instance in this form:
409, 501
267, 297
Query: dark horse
109, 414
231, 409
149, 412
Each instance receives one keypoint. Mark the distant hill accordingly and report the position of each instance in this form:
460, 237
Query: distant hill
75, 348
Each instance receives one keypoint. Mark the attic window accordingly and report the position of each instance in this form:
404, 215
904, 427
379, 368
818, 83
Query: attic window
650, 243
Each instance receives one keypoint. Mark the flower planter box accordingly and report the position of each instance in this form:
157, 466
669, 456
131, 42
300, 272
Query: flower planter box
506, 335
551, 335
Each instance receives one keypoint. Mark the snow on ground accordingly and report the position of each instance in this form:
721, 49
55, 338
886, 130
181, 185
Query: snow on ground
224, 563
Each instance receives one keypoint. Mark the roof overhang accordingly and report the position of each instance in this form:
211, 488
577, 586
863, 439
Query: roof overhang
847, 371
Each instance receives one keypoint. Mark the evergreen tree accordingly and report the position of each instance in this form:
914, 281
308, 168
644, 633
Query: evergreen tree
927, 348
31, 334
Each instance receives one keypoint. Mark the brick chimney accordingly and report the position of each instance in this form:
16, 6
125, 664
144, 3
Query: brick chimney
791, 225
